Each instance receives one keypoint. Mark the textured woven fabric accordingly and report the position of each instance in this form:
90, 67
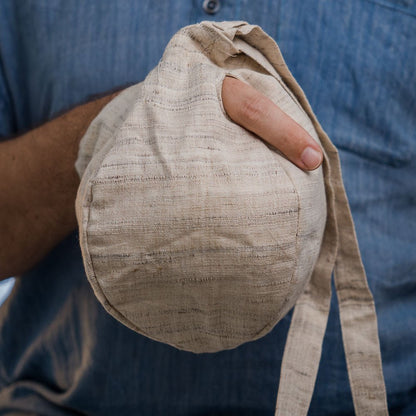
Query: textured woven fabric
197, 234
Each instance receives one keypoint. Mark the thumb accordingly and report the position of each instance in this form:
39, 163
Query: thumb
258, 114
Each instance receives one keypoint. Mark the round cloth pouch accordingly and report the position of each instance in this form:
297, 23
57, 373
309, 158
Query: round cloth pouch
197, 234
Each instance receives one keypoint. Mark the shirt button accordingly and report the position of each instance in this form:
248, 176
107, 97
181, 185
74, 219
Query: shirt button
211, 6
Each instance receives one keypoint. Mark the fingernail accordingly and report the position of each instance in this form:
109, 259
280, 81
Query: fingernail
311, 158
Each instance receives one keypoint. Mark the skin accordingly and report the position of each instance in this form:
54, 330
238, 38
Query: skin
39, 182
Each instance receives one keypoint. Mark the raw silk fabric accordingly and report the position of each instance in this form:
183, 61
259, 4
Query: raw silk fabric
197, 234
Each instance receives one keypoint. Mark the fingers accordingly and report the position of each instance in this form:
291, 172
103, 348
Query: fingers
255, 112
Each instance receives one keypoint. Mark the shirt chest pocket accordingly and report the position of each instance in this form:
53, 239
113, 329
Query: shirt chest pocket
371, 103
405, 6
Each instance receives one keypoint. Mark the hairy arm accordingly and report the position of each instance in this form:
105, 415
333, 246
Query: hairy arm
38, 187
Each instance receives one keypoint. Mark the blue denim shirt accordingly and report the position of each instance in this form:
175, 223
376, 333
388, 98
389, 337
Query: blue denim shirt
62, 354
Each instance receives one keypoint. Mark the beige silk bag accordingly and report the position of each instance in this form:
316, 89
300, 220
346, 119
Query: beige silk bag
197, 234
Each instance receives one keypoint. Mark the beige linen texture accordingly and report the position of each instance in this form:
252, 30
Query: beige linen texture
198, 234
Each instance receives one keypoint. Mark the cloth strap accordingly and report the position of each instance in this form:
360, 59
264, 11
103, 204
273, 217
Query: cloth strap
339, 253
357, 313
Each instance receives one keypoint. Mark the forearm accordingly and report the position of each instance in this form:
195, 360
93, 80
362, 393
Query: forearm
38, 187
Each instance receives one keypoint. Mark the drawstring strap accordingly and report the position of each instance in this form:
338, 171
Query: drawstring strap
339, 253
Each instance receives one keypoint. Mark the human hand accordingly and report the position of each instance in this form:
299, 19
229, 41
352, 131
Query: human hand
258, 114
